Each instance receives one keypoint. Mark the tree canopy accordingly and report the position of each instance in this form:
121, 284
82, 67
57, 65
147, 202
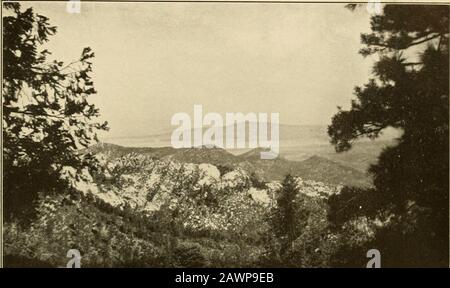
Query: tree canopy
409, 91
46, 114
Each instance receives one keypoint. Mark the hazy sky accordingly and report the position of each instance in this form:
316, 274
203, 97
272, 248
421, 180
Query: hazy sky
156, 59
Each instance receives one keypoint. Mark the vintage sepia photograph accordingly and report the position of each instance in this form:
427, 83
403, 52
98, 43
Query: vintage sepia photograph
233, 134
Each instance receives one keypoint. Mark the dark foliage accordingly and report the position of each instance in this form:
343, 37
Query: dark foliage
411, 179
46, 114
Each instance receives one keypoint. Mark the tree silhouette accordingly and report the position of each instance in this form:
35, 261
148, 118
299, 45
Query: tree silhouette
287, 219
46, 115
286, 213
409, 91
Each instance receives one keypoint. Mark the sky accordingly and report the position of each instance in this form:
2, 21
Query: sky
156, 59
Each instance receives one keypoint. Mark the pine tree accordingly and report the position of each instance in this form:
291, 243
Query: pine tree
409, 91
286, 220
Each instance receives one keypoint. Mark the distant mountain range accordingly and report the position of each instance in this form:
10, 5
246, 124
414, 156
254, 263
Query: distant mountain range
313, 168
306, 134
297, 143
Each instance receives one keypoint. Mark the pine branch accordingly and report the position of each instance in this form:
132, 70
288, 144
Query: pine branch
426, 39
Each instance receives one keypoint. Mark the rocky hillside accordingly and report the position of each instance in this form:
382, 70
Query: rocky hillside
203, 197
313, 168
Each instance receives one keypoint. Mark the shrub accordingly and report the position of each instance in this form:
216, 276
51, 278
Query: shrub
190, 255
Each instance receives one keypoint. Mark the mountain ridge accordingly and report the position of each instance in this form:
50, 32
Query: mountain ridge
315, 168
